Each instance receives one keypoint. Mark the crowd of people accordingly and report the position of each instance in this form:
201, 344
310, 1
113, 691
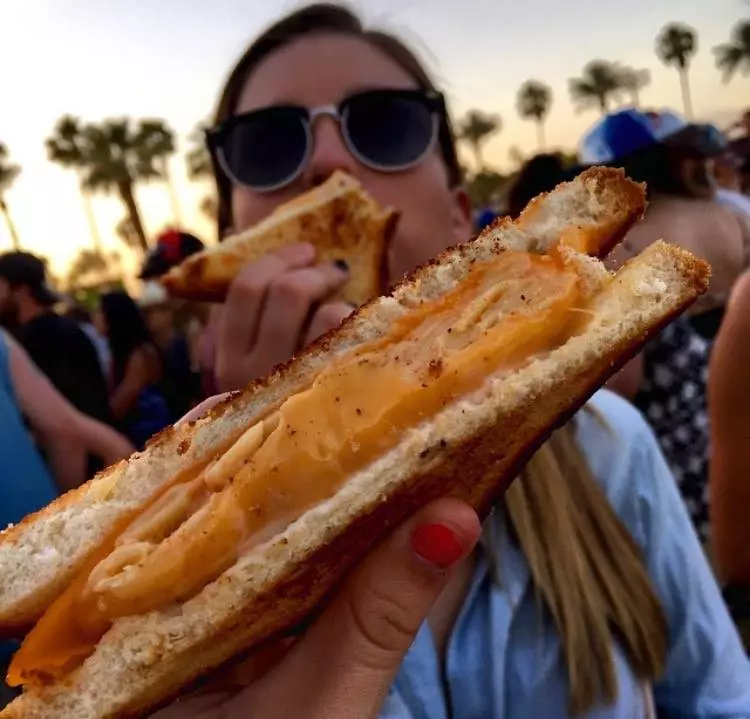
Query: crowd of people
612, 579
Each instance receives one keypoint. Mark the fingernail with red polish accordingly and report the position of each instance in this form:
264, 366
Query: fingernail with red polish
437, 544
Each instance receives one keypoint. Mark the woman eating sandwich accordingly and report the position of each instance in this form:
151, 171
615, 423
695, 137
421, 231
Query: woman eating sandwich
589, 594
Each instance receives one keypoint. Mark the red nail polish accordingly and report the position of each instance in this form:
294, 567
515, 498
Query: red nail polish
437, 544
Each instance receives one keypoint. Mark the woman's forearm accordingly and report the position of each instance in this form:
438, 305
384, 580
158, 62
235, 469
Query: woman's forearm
66, 456
103, 441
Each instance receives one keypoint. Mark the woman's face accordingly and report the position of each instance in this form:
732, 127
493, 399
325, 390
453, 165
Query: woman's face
323, 70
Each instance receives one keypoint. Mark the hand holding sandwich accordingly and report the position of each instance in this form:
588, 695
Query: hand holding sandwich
343, 666
276, 306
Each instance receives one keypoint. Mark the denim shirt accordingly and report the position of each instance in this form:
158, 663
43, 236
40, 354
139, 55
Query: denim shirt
503, 659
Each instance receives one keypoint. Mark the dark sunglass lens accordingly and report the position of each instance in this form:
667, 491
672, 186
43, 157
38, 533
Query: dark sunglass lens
388, 129
266, 148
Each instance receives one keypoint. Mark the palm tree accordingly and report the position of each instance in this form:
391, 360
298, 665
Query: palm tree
534, 100
64, 147
158, 139
476, 127
675, 46
114, 156
599, 83
734, 56
86, 264
8, 174
125, 230
198, 158
633, 81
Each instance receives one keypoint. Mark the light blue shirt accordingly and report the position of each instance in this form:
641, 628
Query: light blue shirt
504, 662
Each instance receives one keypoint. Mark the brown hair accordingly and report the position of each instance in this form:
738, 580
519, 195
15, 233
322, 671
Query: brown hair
586, 568
321, 18
588, 572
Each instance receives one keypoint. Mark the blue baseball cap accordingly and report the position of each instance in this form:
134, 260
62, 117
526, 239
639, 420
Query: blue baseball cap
617, 135
666, 123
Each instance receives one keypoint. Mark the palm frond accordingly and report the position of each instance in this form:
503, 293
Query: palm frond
198, 158
534, 100
734, 56
478, 125
153, 143
8, 170
65, 145
599, 82
676, 44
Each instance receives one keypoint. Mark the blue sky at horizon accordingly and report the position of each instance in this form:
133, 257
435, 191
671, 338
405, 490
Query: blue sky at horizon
167, 58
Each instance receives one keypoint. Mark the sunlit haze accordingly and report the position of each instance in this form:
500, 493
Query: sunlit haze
167, 58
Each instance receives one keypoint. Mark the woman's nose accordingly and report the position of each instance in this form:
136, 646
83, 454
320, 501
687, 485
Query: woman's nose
329, 153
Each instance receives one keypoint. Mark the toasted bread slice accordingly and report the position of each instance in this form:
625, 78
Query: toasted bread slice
470, 449
41, 555
338, 218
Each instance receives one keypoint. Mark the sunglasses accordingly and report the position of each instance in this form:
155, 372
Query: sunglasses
385, 130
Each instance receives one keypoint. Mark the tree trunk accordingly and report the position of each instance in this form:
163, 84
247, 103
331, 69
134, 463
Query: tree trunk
11, 227
603, 104
96, 237
687, 102
635, 98
478, 157
173, 200
128, 198
541, 139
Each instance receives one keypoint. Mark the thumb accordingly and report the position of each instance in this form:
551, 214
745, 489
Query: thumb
353, 651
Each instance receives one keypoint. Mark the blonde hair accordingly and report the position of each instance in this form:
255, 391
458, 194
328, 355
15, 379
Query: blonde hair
587, 571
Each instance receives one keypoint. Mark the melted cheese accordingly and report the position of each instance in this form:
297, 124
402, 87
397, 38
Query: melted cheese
507, 312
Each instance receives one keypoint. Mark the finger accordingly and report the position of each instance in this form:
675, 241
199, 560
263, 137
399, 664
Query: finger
291, 298
195, 706
243, 673
326, 318
357, 645
240, 315
200, 409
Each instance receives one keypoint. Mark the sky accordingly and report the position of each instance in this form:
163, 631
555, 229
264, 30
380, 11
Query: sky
167, 58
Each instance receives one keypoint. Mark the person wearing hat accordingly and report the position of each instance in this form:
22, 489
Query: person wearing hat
667, 381
176, 326
172, 247
60, 349
675, 160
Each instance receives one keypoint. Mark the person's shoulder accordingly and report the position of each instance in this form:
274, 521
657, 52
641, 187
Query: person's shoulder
51, 326
734, 200
620, 449
608, 414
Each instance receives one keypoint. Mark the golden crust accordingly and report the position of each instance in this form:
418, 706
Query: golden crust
607, 186
339, 219
476, 471
625, 203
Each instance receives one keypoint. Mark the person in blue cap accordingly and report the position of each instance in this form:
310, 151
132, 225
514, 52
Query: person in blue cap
667, 382
674, 158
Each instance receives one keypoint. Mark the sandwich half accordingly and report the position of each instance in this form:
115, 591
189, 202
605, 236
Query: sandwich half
338, 218
231, 530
